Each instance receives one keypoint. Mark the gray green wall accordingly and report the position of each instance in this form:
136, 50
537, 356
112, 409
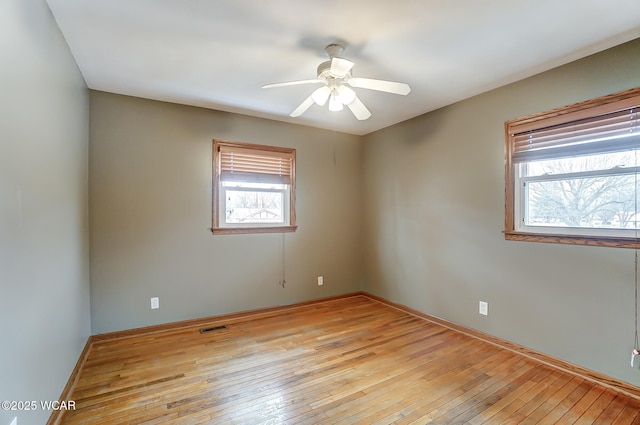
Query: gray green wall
150, 165
434, 197
44, 242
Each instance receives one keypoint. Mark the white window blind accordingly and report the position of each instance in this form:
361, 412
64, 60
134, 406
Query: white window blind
255, 165
611, 132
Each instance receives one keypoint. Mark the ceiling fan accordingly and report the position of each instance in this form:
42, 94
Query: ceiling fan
335, 75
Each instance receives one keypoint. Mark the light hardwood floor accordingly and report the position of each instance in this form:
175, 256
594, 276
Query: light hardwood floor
345, 361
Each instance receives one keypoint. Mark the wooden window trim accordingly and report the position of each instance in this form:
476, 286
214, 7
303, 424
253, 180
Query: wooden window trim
577, 111
216, 229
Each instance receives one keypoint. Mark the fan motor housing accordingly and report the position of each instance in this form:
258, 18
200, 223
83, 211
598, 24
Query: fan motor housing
324, 72
324, 68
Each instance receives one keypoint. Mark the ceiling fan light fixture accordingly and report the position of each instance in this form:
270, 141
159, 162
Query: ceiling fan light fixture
346, 94
321, 95
335, 103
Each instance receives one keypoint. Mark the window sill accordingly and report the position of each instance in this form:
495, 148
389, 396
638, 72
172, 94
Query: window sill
605, 241
251, 230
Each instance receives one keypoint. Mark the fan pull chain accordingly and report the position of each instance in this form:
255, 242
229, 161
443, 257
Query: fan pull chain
283, 282
636, 345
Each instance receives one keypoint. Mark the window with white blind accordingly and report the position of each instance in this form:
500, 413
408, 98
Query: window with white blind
572, 174
253, 188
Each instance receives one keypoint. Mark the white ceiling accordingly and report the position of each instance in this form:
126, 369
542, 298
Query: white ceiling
219, 53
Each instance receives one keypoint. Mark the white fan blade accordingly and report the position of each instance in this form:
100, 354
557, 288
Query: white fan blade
380, 85
340, 67
292, 83
321, 95
359, 110
303, 107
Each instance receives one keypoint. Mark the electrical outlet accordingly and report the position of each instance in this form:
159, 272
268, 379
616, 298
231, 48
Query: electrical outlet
320, 280
155, 303
484, 308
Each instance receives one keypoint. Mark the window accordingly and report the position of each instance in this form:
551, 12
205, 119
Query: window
253, 188
572, 174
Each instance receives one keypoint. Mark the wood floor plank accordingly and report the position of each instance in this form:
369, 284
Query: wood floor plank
344, 361
573, 414
512, 412
439, 389
504, 410
578, 390
612, 412
552, 400
476, 405
597, 408
460, 391
630, 412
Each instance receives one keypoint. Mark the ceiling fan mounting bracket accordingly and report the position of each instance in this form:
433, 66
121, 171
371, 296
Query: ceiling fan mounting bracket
334, 49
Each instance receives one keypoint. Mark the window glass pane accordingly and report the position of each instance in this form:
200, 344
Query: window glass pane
606, 202
254, 206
